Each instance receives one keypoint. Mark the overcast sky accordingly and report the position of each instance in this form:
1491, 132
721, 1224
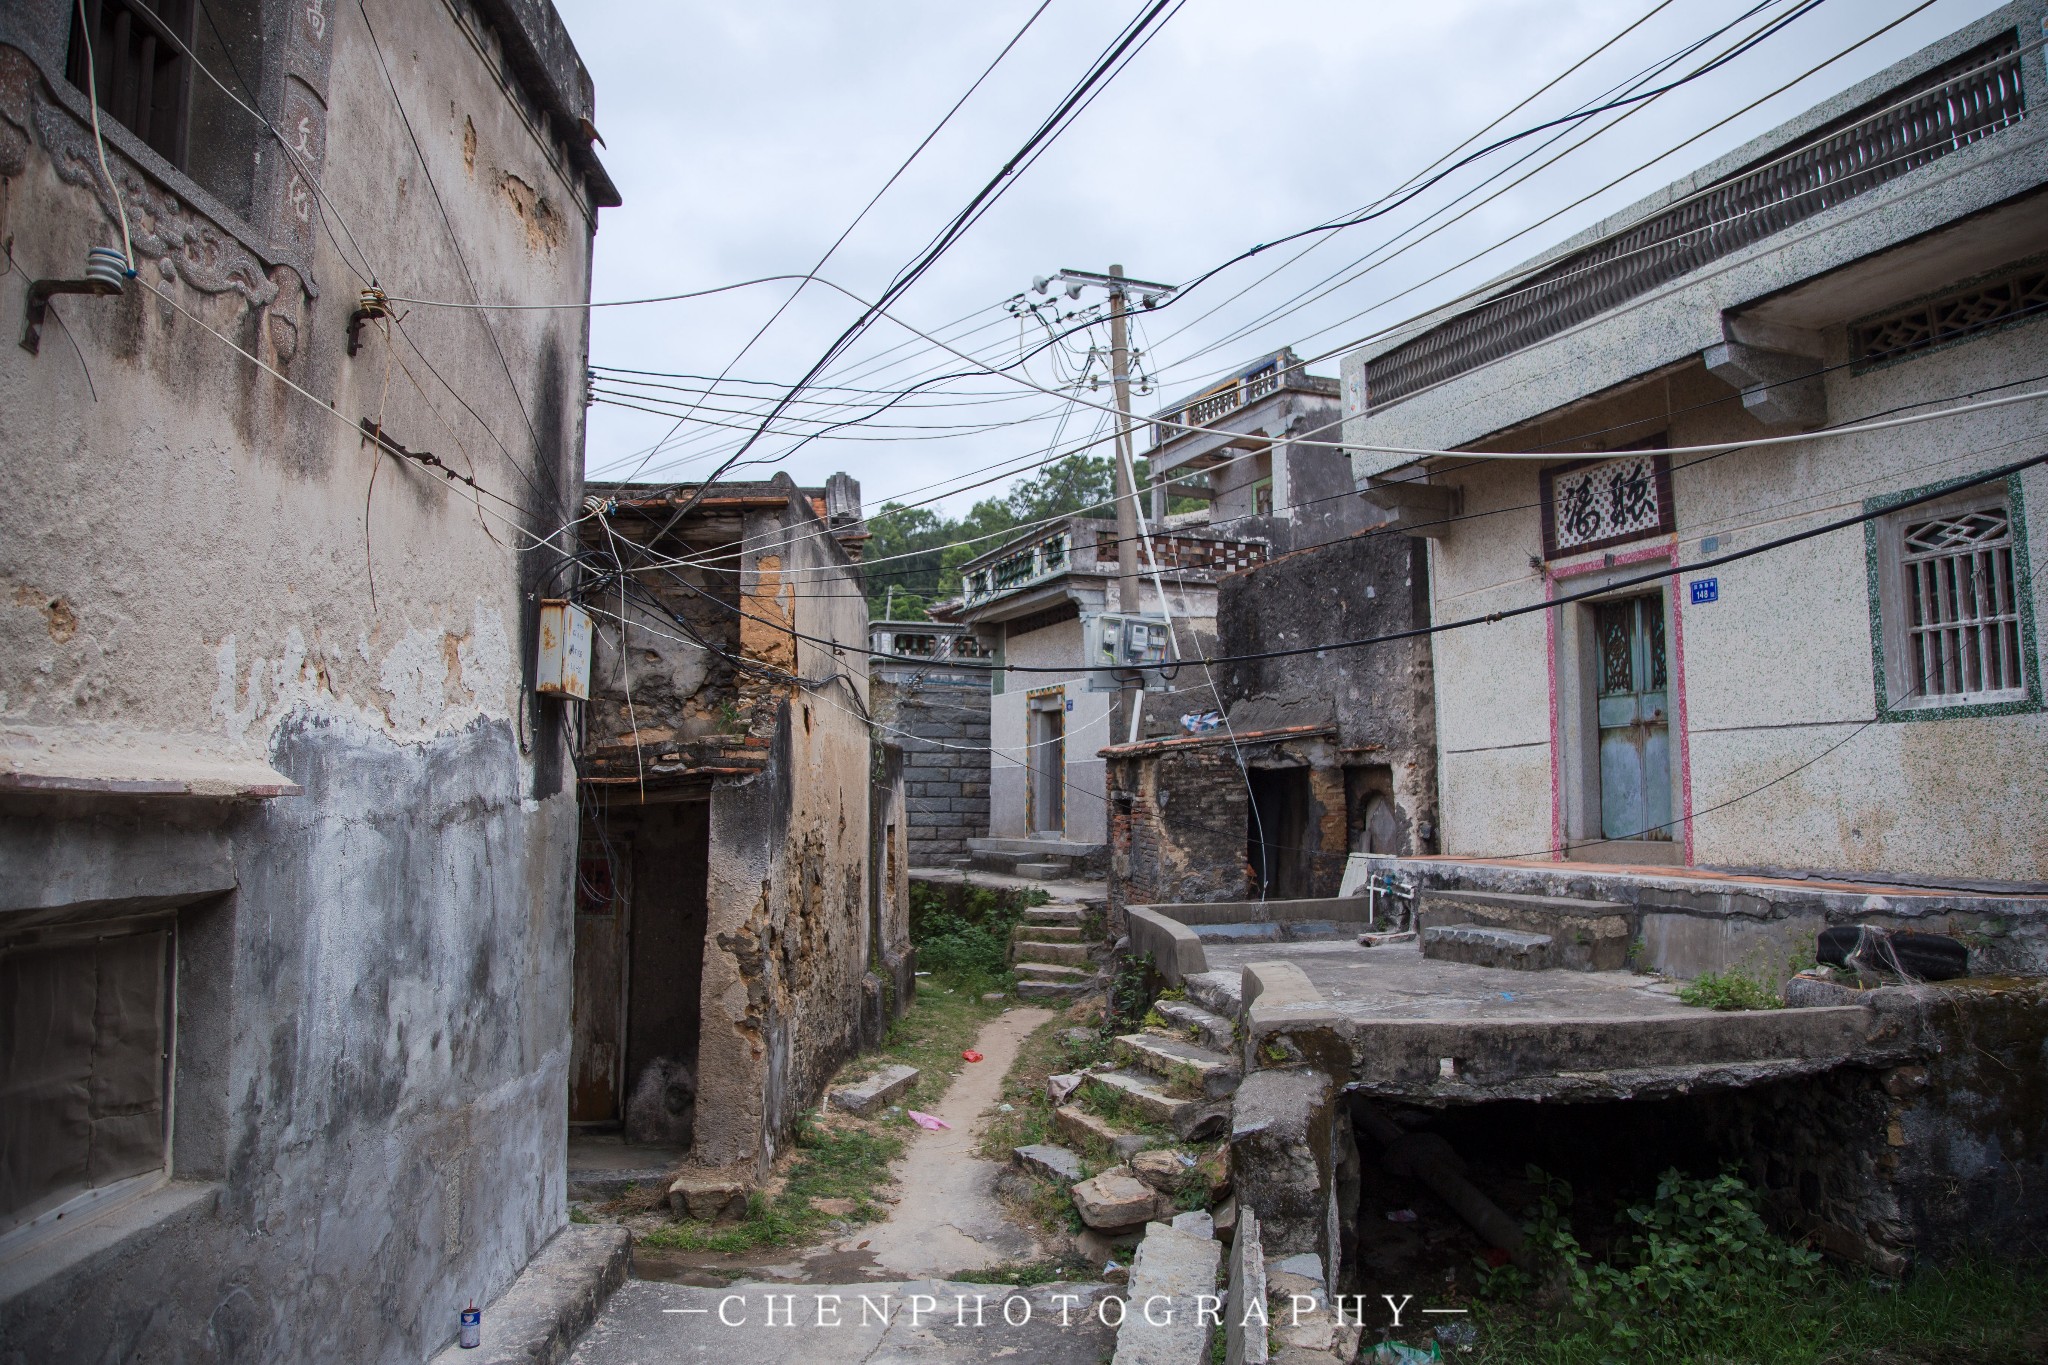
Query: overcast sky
745, 137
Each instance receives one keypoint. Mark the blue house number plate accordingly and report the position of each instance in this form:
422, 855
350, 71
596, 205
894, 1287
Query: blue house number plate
1706, 590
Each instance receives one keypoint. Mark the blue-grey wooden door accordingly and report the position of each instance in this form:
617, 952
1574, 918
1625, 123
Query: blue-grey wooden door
1635, 734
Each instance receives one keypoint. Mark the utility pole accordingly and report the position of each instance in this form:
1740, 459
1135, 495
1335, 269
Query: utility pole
1126, 474
1120, 287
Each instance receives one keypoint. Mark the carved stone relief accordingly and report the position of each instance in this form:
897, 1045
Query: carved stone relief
161, 228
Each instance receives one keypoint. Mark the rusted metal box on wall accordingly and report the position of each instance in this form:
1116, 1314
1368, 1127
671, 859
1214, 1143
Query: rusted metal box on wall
564, 664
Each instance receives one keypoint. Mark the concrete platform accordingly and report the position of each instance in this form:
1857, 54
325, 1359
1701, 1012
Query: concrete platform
1692, 920
560, 1293
605, 1166
1435, 1032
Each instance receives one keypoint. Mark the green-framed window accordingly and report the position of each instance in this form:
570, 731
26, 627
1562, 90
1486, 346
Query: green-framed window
1951, 604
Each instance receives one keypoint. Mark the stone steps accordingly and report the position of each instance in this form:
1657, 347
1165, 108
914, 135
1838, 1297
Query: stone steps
1585, 935
1054, 971
1210, 1030
1219, 992
1050, 870
1179, 1063
1144, 1094
1053, 990
1080, 1128
1484, 945
1057, 915
1047, 933
1060, 954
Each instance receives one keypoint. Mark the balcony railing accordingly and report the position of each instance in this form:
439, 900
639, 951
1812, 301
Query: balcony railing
1225, 398
1197, 554
1021, 568
928, 646
1924, 120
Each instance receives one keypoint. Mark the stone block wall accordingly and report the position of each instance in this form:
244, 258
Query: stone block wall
943, 731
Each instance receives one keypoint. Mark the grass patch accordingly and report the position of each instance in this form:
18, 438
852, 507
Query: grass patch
1978, 1312
837, 1156
1047, 1052
1733, 989
831, 1163
1701, 1280
962, 932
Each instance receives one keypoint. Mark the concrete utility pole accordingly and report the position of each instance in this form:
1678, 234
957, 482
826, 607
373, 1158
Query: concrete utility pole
1120, 287
1126, 474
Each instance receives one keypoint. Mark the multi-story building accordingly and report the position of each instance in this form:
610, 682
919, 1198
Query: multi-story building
1034, 599
1732, 562
286, 826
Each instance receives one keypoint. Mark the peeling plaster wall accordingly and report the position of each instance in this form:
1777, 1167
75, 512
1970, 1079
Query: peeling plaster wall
208, 571
786, 951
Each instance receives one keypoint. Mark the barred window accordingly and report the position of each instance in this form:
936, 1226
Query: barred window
1963, 617
1951, 604
142, 66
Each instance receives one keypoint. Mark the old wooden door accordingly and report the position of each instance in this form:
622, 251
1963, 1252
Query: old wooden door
1635, 738
597, 1018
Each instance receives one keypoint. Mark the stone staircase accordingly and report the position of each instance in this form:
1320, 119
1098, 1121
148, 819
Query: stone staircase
1525, 933
1167, 1080
1038, 859
1051, 955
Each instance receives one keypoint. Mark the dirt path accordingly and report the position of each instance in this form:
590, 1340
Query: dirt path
949, 1218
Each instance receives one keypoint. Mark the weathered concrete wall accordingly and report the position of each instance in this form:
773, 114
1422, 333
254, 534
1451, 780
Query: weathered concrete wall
943, 731
1380, 697
787, 944
373, 1002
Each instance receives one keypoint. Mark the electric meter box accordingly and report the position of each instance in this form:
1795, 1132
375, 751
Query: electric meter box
564, 663
1118, 643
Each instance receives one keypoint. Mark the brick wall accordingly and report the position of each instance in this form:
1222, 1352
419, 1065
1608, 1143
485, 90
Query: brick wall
943, 733
1177, 827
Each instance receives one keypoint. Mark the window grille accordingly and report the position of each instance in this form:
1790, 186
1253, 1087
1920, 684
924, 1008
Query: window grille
1952, 317
1962, 618
1941, 112
139, 67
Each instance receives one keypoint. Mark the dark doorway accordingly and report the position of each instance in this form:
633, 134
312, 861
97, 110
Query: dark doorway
1371, 817
1047, 737
1282, 855
640, 970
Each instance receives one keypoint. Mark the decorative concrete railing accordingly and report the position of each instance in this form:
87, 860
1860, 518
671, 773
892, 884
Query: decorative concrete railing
1021, 568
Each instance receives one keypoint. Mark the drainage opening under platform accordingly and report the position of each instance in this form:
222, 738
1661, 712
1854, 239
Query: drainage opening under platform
1840, 1162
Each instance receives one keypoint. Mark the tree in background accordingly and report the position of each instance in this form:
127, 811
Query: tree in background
934, 547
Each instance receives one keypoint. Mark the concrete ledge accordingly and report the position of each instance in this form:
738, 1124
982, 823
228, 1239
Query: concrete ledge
1445, 1061
1176, 952
1693, 920
555, 1299
1344, 910
1276, 985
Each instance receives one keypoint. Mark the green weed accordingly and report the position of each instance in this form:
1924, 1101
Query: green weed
1733, 989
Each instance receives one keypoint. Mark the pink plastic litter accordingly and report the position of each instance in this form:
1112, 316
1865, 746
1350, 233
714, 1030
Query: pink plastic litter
928, 1120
